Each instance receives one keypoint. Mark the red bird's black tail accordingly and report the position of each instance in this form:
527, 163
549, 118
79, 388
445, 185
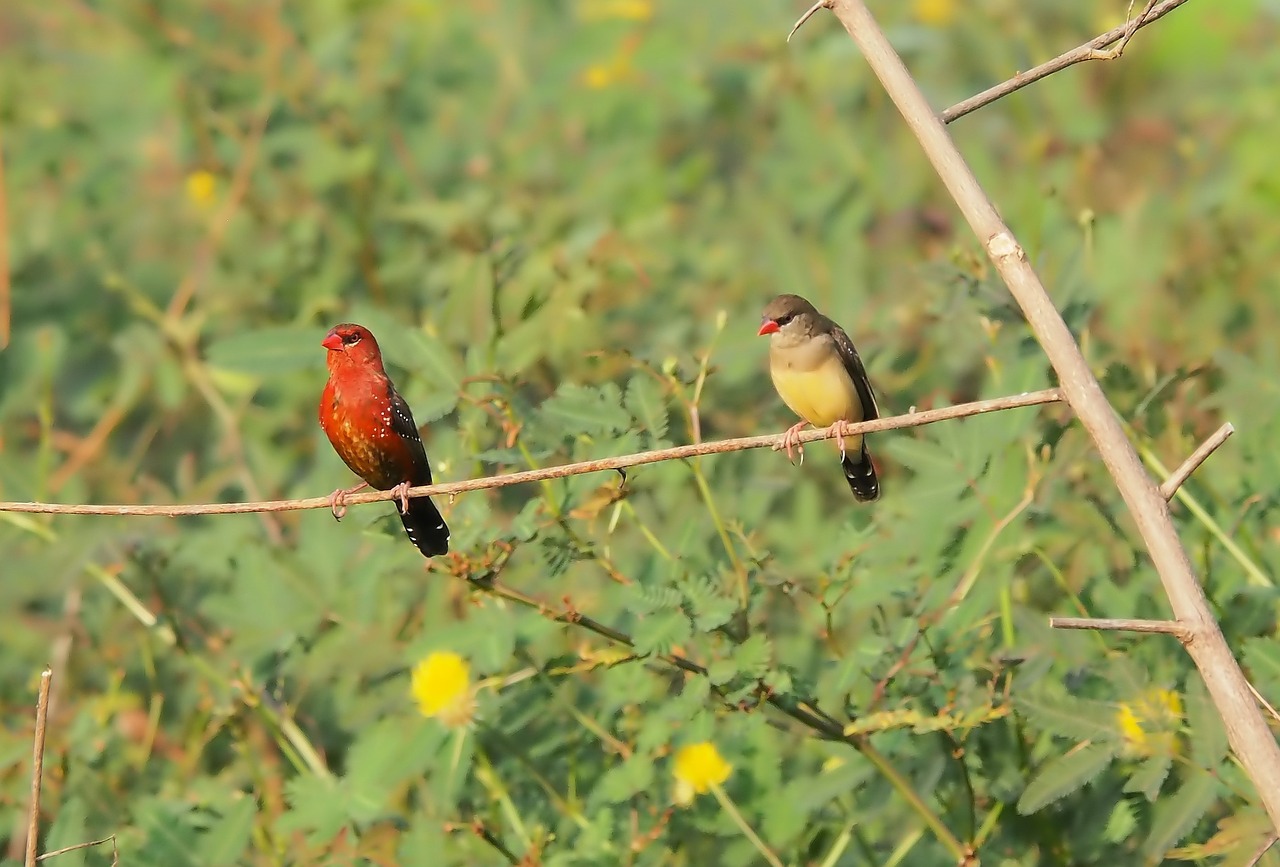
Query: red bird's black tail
426, 529
861, 475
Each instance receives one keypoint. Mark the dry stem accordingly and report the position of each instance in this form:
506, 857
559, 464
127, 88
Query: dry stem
5, 285
37, 768
115, 850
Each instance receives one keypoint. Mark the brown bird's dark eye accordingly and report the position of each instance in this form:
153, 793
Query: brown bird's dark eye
784, 319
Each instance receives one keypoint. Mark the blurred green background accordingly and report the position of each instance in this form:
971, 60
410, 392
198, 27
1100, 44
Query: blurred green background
561, 220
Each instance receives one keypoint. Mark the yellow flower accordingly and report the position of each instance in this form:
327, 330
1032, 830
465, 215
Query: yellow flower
598, 76
699, 767
1130, 726
934, 12
441, 684
625, 10
423, 10
1149, 725
201, 187
617, 68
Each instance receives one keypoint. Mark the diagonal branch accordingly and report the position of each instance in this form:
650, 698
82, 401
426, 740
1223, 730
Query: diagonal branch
1091, 50
1094, 49
912, 419
1247, 731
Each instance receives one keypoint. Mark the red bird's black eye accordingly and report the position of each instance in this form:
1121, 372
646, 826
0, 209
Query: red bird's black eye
350, 339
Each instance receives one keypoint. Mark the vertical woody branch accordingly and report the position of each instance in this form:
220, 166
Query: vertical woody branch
1247, 731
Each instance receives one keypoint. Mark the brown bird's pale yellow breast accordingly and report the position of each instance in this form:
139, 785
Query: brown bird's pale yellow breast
812, 380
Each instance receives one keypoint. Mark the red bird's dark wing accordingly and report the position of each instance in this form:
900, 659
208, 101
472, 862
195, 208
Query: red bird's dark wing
426, 528
406, 431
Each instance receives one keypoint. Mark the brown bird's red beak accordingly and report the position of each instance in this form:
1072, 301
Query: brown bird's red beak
767, 327
332, 341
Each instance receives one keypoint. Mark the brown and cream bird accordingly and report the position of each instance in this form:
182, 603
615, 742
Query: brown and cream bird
818, 374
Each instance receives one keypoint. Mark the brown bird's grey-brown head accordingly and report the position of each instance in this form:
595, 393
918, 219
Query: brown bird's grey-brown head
789, 320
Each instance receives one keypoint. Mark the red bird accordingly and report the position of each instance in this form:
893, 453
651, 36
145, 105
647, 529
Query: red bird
373, 431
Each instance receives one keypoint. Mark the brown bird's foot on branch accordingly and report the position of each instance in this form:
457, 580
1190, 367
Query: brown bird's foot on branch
338, 500
789, 443
838, 430
402, 494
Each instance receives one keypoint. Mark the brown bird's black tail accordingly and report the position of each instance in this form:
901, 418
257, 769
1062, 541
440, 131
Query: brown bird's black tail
425, 527
861, 475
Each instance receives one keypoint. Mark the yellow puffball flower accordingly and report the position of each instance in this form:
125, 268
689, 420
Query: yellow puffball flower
201, 187
1149, 724
598, 76
698, 767
1129, 725
441, 684
934, 12
622, 10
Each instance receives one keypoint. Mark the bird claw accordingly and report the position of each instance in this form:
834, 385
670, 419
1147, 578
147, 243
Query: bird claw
338, 500
401, 492
838, 430
788, 442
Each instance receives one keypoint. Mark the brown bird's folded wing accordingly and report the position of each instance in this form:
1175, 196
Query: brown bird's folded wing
858, 373
859, 471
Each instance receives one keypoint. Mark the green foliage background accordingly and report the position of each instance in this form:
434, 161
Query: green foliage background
561, 220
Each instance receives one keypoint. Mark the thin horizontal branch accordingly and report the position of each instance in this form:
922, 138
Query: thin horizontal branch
1194, 460
1079, 54
1120, 624
913, 419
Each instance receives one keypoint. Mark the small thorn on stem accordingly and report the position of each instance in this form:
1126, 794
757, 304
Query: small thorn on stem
812, 10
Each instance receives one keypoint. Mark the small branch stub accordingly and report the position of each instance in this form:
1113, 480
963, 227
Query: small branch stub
1131, 27
1194, 460
1003, 246
1120, 624
809, 13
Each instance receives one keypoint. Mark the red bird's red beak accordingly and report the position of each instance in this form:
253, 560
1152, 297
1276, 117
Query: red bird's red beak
767, 327
332, 342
